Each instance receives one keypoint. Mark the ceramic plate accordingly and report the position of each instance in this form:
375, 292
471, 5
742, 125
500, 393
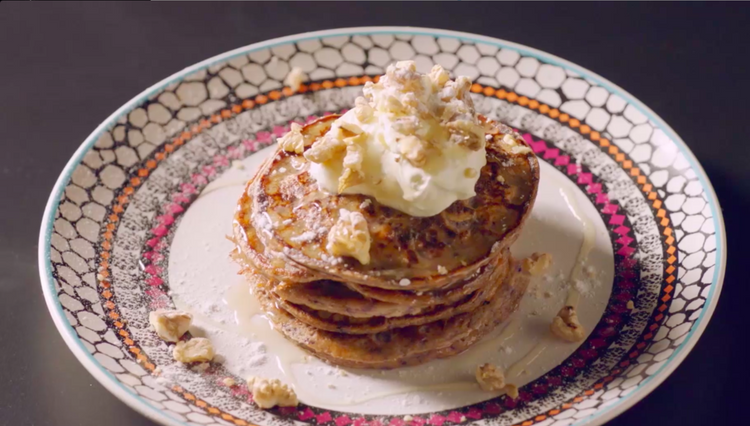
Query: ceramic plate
137, 221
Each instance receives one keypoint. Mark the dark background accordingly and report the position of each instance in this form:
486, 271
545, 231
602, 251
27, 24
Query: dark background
65, 67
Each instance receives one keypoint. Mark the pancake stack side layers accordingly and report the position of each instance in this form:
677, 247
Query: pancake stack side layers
361, 254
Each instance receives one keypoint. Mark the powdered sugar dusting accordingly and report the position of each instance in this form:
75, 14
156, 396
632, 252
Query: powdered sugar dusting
304, 237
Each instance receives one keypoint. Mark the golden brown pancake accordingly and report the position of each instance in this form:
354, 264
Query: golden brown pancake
364, 302
292, 217
402, 346
358, 315
328, 321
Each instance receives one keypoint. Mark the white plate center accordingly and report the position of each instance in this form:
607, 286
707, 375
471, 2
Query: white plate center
204, 281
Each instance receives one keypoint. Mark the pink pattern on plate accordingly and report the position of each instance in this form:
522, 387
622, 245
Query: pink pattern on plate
188, 188
492, 408
175, 208
454, 417
165, 219
235, 152
562, 160
160, 231
573, 169
263, 137
360, 421
437, 420
610, 208
594, 188
343, 420
324, 417
306, 414
154, 281
474, 413
209, 170
198, 179
280, 131
617, 219
153, 270
221, 160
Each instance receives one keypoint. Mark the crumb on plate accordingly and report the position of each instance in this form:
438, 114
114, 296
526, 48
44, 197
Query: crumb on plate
295, 78
269, 393
170, 325
566, 326
197, 349
537, 263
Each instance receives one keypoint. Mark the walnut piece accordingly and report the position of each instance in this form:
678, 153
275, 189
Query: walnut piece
492, 379
511, 390
439, 76
268, 393
293, 141
362, 110
353, 173
566, 326
170, 325
467, 133
537, 263
350, 237
489, 377
327, 147
351, 128
414, 149
197, 349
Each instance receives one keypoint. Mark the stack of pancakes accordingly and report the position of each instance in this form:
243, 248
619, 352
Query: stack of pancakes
434, 285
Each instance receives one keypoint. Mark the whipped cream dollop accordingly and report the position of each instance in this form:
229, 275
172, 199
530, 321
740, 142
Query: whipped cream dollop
413, 142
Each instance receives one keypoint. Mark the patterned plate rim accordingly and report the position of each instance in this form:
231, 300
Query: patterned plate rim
602, 416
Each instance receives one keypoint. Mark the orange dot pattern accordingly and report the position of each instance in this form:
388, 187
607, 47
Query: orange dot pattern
209, 408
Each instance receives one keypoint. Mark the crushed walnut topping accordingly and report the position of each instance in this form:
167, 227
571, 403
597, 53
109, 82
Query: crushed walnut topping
408, 98
327, 147
350, 237
362, 109
414, 150
353, 174
293, 141
409, 122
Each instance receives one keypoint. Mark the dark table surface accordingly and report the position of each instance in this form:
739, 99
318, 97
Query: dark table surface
65, 67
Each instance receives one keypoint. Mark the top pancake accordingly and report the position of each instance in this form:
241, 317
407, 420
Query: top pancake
292, 218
